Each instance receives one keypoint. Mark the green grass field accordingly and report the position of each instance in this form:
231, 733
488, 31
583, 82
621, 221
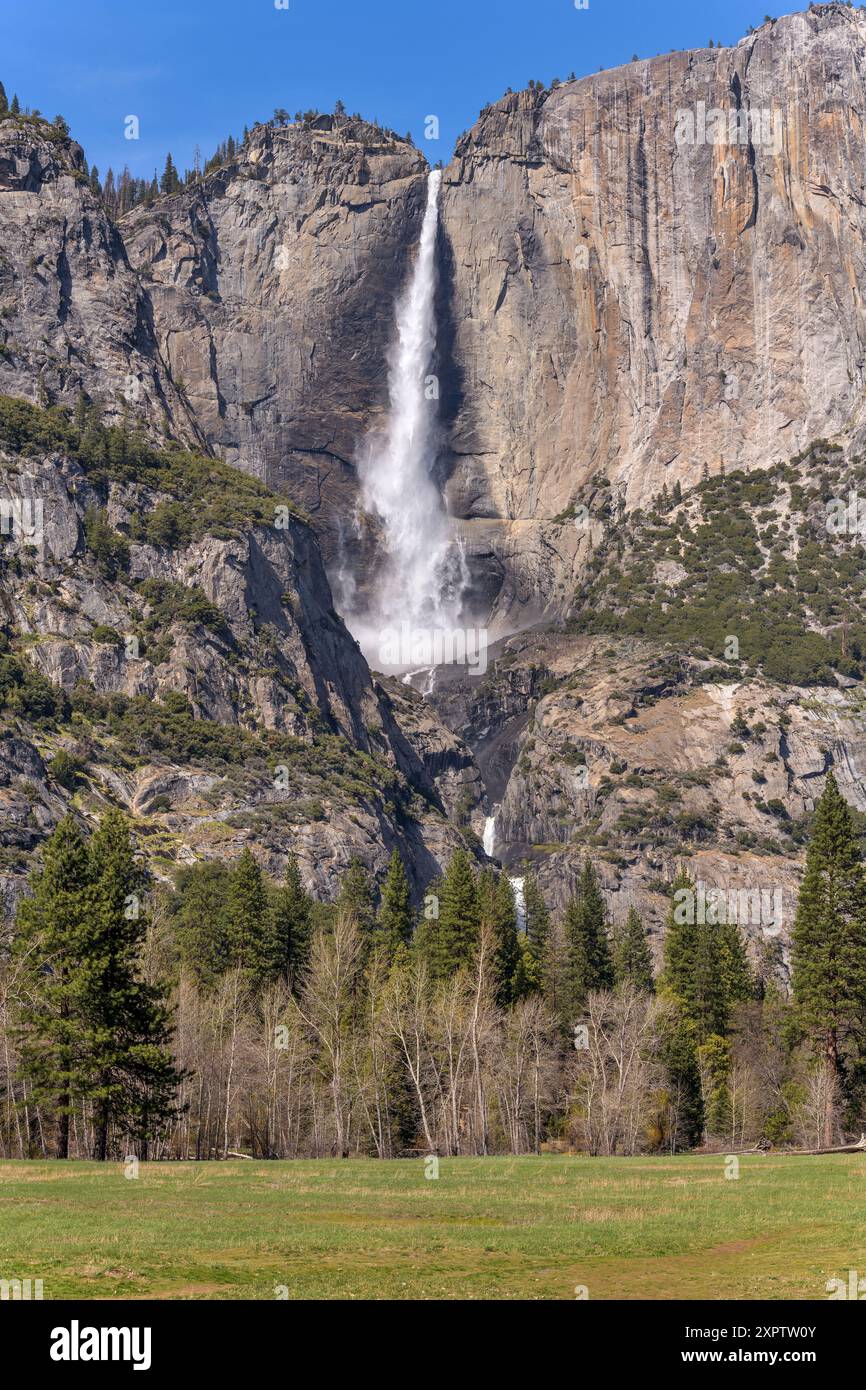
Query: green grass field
508, 1228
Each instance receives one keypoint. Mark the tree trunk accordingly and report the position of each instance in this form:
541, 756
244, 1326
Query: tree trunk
833, 1061
63, 1127
102, 1134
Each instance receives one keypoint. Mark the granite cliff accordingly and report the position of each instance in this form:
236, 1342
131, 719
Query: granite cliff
650, 287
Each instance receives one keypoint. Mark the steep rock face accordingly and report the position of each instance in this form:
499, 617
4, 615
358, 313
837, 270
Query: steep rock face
277, 631
272, 287
72, 315
626, 755
629, 304
618, 310
215, 694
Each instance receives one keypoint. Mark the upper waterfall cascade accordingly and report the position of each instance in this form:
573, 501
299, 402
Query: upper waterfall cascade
421, 572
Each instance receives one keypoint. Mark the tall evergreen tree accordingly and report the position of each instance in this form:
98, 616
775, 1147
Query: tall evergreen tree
50, 931
246, 916
4, 101
714, 1061
289, 926
15, 107
707, 1005
684, 1097
537, 926
497, 909
589, 962
680, 940
92, 1031
706, 969
737, 975
169, 183
356, 898
126, 1027
829, 938
199, 911
454, 936
632, 958
395, 918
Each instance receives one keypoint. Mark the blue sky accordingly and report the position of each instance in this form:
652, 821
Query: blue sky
194, 71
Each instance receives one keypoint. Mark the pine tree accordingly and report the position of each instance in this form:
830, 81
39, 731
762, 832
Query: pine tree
91, 1030
200, 915
714, 1060
632, 958
706, 970
497, 909
395, 918
289, 926
15, 108
50, 929
829, 938
126, 1028
169, 183
4, 101
737, 976
680, 942
537, 923
246, 916
589, 962
356, 898
454, 937
123, 198
684, 1098
707, 1005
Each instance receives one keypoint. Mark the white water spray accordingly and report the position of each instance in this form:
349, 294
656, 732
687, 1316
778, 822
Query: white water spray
518, 887
488, 839
422, 573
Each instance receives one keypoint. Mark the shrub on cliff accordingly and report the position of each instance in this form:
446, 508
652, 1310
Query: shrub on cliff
200, 496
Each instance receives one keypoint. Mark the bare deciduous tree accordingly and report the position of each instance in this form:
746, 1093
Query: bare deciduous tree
618, 1070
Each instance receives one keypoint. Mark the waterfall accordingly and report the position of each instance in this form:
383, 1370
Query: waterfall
421, 573
518, 888
488, 839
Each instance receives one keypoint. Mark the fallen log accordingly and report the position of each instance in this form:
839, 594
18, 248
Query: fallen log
858, 1148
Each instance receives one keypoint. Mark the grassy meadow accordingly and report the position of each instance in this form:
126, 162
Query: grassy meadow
496, 1228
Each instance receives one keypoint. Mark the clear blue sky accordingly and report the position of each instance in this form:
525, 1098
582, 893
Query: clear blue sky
194, 71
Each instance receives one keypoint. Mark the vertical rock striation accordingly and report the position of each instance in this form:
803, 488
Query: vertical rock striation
643, 308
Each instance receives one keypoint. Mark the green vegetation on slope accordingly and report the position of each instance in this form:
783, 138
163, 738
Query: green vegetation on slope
746, 555
201, 496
